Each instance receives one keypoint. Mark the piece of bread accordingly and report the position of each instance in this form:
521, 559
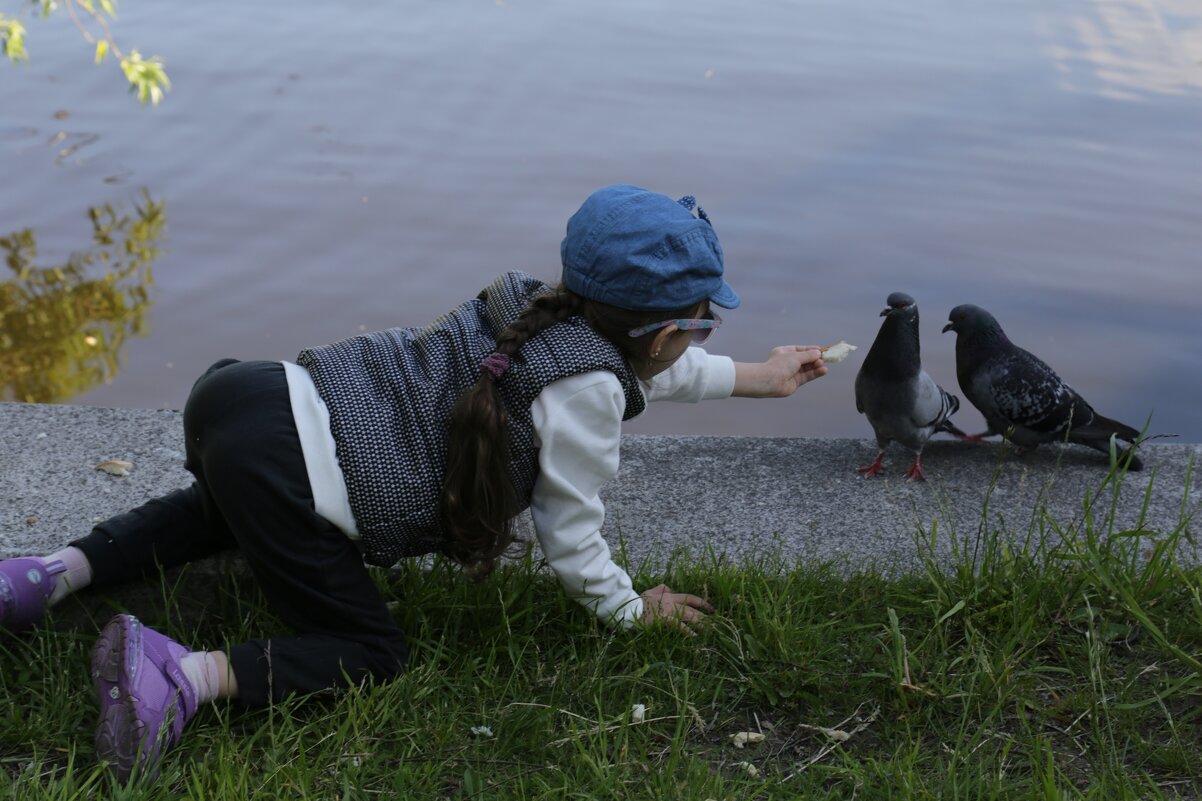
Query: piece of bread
833, 354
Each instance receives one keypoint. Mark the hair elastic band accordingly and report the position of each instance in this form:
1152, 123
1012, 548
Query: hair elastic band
690, 203
495, 364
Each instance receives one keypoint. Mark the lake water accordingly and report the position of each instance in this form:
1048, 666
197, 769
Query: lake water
325, 169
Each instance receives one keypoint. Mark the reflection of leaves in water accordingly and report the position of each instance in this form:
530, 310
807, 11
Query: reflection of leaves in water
62, 327
72, 144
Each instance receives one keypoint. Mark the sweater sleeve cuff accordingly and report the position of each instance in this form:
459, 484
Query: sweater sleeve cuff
627, 615
721, 374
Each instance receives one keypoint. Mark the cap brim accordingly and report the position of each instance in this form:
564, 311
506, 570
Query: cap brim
725, 297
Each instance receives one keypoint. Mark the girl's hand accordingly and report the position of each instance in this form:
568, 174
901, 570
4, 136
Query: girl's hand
661, 605
787, 368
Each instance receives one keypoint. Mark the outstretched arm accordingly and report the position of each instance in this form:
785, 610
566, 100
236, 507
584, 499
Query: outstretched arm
786, 369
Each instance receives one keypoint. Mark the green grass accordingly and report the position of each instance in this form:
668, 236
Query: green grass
1067, 667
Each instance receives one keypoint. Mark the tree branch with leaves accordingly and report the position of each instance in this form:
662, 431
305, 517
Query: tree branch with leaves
146, 76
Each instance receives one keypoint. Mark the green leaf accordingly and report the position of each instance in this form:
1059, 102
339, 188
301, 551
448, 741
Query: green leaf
102, 50
146, 77
12, 39
959, 605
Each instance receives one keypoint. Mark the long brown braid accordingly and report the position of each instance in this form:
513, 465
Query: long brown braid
479, 501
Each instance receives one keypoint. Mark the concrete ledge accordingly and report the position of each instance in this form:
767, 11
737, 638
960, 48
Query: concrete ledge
741, 497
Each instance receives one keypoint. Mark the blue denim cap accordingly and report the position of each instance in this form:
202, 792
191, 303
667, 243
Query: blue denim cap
643, 251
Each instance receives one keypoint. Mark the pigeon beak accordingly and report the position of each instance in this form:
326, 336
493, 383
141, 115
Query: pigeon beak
885, 313
948, 327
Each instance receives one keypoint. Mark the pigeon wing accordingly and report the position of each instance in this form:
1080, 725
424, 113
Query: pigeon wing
932, 406
1027, 392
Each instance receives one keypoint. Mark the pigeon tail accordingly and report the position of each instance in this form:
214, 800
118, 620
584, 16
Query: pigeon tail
1103, 445
1103, 427
949, 428
1097, 435
1135, 464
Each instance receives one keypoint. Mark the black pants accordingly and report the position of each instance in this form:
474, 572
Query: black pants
252, 492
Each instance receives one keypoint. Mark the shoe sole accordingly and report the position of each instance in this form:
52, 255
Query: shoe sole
120, 733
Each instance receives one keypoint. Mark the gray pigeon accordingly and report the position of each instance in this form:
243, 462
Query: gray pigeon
1019, 395
901, 401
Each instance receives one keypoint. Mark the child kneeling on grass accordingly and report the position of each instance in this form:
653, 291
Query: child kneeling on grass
407, 442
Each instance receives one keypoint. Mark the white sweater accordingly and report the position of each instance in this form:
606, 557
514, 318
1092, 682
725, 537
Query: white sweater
577, 425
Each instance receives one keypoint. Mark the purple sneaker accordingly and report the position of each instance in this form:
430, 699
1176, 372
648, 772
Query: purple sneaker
25, 587
145, 699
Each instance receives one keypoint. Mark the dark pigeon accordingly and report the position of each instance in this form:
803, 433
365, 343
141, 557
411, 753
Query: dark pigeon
1020, 396
901, 401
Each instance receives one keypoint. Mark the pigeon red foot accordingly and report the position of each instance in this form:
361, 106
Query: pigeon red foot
874, 468
915, 472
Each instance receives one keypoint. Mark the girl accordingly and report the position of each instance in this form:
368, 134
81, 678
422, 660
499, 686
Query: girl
408, 442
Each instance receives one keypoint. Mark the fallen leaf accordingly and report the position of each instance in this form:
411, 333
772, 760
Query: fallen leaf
751, 769
742, 738
29, 521
115, 467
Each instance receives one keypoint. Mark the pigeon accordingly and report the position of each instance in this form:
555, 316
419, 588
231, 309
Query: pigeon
1019, 395
901, 401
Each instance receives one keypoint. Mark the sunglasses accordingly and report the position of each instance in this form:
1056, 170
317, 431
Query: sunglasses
701, 328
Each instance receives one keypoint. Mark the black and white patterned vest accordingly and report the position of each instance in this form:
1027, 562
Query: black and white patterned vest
390, 394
